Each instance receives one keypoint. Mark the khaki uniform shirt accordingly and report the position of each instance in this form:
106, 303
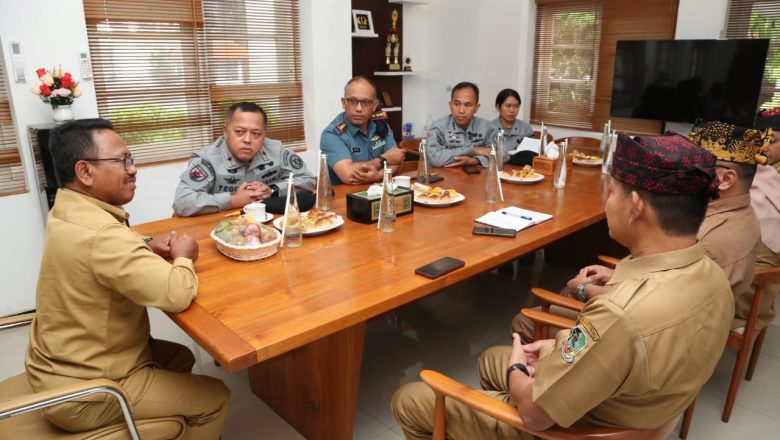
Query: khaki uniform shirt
644, 349
730, 235
213, 176
97, 277
446, 140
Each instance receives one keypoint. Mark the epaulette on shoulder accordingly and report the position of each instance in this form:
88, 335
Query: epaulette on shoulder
379, 116
341, 127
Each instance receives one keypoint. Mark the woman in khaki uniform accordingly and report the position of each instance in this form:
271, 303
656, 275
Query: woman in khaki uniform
640, 353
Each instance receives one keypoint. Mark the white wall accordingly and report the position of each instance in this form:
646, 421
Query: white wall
51, 38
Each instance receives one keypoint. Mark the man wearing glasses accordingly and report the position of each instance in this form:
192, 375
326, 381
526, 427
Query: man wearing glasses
96, 279
359, 142
241, 167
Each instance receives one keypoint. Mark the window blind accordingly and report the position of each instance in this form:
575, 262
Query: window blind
11, 169
566, 58
166, 70
760, 19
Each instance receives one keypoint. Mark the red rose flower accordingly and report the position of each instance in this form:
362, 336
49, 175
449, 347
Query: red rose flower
45, 90
40, 72
66, 82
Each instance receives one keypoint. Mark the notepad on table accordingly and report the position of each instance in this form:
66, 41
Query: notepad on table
513, 217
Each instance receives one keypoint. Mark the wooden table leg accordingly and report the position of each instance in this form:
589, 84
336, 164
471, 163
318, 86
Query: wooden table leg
315, 387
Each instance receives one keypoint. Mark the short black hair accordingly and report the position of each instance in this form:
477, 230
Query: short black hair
506, 93
72, 142
745, 173
678, 214
465, 85
245, 106
357, 78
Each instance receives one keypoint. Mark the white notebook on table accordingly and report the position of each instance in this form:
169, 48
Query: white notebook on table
513, 217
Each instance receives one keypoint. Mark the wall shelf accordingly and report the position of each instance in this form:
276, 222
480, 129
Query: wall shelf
392, 109
394, 73
357, 35
411, 2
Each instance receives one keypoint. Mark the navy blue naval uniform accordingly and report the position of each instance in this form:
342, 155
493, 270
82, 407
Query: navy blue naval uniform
341, 140
213, 176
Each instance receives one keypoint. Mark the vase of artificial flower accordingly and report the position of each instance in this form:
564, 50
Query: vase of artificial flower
58, 89
62, 114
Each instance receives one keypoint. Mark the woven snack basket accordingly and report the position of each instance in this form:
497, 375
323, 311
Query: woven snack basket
248, 253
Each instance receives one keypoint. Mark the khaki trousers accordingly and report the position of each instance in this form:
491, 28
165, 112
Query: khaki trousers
414, 402
166, 389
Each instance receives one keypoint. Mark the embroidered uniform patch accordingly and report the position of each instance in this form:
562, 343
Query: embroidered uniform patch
198, 174
575, 343
342, 127
296, 162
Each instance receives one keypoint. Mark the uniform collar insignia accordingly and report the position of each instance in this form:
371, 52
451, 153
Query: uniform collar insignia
341, 127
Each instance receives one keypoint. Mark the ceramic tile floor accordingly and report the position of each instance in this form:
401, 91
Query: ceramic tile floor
447, 332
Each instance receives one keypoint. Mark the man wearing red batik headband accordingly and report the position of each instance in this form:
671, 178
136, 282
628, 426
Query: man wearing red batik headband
639, 353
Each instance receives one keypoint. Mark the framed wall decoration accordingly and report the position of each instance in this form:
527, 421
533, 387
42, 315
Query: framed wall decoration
362, 23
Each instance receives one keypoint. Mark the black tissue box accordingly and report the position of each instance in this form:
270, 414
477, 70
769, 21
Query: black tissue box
363, 208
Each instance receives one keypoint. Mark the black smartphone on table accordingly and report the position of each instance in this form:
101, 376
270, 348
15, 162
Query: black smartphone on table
470, 170
439, 267
497, 232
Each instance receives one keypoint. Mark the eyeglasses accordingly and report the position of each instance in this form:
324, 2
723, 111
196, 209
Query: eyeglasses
353, 102
128, 161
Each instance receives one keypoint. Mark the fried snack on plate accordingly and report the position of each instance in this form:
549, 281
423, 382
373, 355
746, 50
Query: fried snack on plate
317, 219
525, 173
584, 157
434, 194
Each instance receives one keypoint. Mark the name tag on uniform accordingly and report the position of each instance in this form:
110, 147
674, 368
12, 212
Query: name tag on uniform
356, 149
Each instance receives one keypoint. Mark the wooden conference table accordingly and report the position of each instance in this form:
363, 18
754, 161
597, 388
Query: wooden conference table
297, 320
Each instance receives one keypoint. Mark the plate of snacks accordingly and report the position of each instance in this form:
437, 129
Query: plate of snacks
243, 239
315, 222
436, 196
525, 175
582, 159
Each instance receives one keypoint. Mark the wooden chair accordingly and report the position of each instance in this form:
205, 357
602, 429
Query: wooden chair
742, 343
411, 148
445, 387
21, 418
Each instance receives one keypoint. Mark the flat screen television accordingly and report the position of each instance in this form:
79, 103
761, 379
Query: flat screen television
681, 80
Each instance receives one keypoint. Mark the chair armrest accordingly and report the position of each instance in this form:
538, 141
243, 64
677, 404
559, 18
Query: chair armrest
558, 300
412, 153
480, 402
472, 398
16, 320
42, 399
608, 261
548, 319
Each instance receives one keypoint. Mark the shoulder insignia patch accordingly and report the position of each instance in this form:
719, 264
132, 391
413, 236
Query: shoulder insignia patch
585, 323
296, 162
198, 174
341, 127
574, 344
286, 157
379, 116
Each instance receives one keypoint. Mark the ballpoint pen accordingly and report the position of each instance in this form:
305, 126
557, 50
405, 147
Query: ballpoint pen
524, 217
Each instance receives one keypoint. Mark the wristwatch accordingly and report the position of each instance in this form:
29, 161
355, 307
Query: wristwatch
513, 367
580, 292
274, 190
382, 161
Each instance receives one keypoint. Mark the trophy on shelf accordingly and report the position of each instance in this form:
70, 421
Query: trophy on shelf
393, 45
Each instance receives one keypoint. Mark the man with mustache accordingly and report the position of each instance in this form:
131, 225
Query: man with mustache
97, 277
